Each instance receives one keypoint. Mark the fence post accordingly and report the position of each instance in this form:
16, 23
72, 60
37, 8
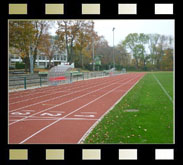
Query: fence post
25, 85
40, 81
71, 77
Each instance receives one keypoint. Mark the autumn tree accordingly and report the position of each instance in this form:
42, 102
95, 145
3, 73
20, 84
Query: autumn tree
48, 47
83, 42
134, 43
41, 28
21, 37
123, 57
167, 60
67, 34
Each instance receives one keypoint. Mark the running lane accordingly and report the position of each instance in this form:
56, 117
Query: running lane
68, 120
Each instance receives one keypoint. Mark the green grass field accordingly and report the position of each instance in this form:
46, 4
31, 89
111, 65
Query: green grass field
151, 124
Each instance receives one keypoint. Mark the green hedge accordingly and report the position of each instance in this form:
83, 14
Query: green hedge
19, 65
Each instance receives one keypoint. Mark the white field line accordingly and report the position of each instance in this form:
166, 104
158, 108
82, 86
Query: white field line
164, 90
94, 125
65, 102
51, 93
60, 96
57, 119
48, 90
73, 112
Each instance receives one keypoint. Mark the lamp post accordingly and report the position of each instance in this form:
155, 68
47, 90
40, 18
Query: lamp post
31, 60
113, 49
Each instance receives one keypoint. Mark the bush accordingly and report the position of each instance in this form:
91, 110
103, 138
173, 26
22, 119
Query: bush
19, 65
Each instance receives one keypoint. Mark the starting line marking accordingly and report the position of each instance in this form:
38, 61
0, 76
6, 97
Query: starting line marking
20, 113
84, 115
49, 114
27, 112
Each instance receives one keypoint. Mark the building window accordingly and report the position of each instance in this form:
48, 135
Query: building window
16, 57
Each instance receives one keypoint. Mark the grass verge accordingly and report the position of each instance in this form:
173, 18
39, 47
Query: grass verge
152, 123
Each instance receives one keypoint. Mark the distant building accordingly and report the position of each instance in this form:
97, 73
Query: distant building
41, 61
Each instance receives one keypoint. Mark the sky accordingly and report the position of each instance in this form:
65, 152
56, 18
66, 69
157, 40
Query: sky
124, 27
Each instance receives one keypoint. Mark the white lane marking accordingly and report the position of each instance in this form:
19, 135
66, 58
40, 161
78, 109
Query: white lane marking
58, 111
93, 126
48, 104
65, 102
67, 90
164, 90
73, 112
84, 115
89, 112
20, 113
59, 97
42, 90
55, 119
50, 114
41, 96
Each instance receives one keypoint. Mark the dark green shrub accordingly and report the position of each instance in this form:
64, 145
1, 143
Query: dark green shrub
19, 65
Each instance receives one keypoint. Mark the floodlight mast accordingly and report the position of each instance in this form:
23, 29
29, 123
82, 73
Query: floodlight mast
31, 59
113, 48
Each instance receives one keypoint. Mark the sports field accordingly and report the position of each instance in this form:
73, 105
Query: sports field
128, 108
144, 115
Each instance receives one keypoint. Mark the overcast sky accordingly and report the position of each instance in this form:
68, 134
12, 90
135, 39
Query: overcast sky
124, 27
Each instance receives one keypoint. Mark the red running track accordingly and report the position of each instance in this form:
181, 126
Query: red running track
64, 114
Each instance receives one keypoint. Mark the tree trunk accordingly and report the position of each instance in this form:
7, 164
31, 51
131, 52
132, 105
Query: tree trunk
71, 54
27, 64
49, 63
35, 56
137, 64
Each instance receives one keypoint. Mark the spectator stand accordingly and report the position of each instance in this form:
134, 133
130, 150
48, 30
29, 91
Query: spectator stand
59, 74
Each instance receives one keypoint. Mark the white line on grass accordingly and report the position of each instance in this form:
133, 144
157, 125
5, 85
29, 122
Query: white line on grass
170, 98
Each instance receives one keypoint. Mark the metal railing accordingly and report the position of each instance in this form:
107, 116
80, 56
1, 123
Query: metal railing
35, 80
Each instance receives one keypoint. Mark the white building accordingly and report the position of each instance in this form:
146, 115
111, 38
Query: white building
41, 60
